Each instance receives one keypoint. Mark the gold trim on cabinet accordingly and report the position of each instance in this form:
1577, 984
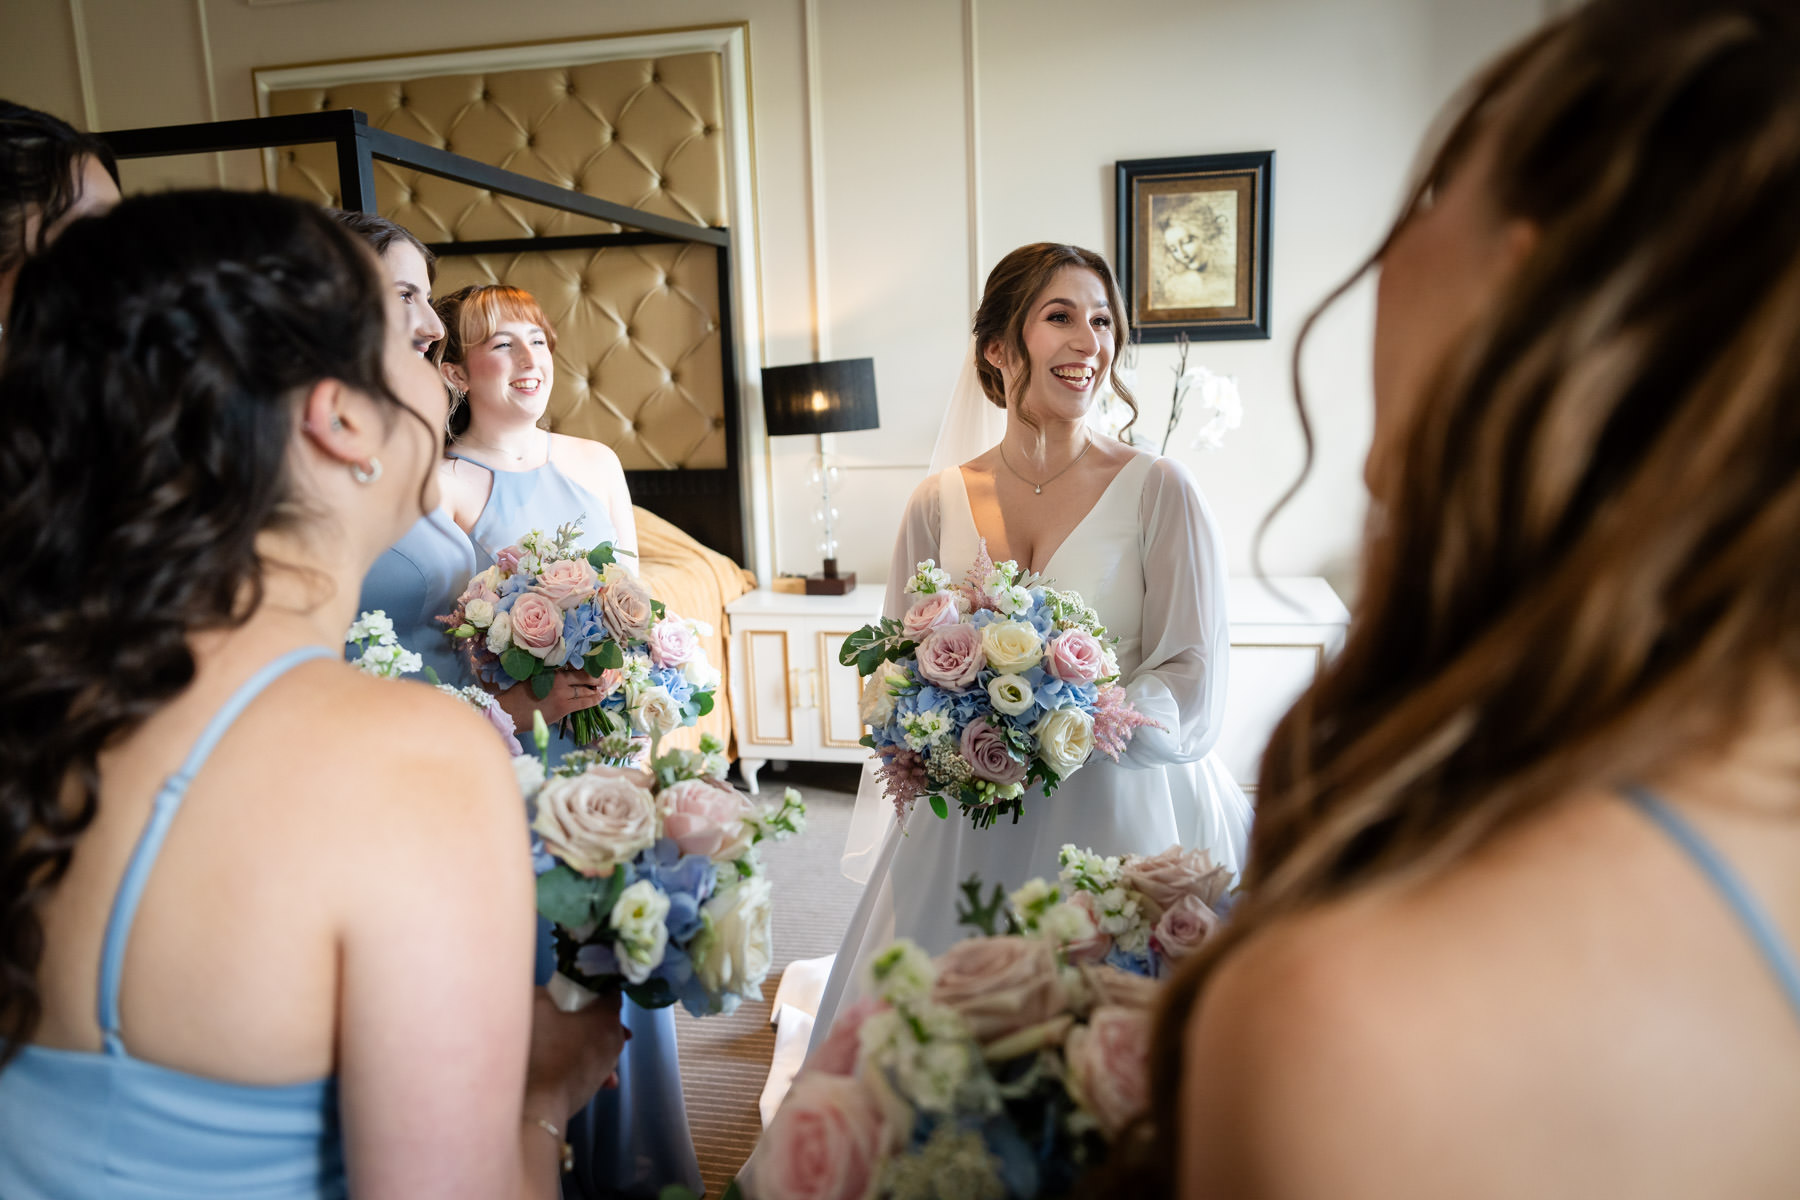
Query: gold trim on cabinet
756, 737
827, 660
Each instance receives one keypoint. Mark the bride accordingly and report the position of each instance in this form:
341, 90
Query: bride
1126, 529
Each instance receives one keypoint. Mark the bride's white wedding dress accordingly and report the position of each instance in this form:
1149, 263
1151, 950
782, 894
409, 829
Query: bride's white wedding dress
1149, 560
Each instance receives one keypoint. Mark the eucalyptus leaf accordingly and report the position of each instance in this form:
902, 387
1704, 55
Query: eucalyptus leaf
705, 702
541, 684
518, 664
568, 898
939, 807
609, 656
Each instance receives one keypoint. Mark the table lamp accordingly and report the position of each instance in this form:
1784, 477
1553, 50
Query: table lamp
816, 399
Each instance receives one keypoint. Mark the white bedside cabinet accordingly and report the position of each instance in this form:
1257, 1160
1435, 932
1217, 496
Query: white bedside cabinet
790, 698
1281, 635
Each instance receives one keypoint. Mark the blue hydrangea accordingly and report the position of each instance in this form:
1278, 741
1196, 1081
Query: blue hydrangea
673, 681
583, 631
687, 879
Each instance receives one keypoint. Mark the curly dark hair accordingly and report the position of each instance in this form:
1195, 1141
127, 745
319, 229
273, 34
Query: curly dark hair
148, 398
38, 156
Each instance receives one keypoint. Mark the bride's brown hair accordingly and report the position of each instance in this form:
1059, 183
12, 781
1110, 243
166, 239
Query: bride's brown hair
1014, 283
1590, 550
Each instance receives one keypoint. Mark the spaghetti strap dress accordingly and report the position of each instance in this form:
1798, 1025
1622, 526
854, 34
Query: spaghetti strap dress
634, 1140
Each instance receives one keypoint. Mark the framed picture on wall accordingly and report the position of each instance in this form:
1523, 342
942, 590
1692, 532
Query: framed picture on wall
1194, 245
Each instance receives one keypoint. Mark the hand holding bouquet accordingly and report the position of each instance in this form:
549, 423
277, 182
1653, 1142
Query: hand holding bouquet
988, 688
547, 606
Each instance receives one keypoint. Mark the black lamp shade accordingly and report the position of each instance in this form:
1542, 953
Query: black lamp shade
827, 397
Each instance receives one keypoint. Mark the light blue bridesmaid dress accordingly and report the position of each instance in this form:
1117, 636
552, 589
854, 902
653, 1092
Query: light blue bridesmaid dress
632, 1141
106, 1123
417, 580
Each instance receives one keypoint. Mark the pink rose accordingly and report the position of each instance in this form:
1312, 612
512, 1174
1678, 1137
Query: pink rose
1109, 1065
625, 607
939, 608
1000, 985
508, 559
1165, 878
1182, 928
824, 1144
707, 819
950, 656
567, 582
1088, 949
672, 643
484, 586
988, 755
537, 627
1120, 989
594, 822
838, 1053
1075, 656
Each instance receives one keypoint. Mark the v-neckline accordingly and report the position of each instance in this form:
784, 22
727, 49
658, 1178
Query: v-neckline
969, 507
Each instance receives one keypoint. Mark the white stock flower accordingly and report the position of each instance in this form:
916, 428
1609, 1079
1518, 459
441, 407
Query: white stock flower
499, 634
1010, 695
928, 1049
1065, 923
1035, 894
927, 578
1012, 600
639, 919
371, 626
529, 772
902, 973
734, 949
922, 729
1065, 739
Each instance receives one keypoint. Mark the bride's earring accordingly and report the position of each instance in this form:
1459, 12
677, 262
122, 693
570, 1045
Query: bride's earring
368, 474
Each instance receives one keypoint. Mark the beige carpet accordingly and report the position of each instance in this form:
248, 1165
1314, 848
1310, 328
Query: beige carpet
725, 1060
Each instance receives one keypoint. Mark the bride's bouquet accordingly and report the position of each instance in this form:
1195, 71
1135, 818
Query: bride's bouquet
988, 688
1007, 1066
660, 891
547, 606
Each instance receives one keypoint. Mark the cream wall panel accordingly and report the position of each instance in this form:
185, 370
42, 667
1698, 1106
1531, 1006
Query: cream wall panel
38, 64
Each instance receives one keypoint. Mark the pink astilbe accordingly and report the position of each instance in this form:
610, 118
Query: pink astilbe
1115, 720
903, 779
975, 582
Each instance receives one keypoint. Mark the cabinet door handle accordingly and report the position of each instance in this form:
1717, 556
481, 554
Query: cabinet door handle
793, 688
812, 687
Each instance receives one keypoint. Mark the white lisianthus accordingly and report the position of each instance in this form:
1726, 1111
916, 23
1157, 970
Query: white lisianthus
734, 949
529, 772
875, 707
639, 919
1065, 739
923, 729
1012, 647
902, 973
700, 674
499, 634
479, 612
1109, 657
613, 572
1010, 694
656, 711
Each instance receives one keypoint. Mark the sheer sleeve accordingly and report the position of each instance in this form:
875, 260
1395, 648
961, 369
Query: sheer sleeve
917, 541
1186, 632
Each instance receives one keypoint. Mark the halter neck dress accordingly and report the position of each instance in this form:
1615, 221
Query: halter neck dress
632, 1141
81, 1123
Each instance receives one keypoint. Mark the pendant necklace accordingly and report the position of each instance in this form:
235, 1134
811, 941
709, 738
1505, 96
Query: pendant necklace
1038, 488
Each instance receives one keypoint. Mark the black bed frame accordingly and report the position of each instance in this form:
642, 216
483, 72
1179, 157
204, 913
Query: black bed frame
706, 503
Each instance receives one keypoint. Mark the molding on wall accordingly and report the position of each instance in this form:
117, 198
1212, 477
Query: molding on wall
78, 21
815, 183
972, 140
732, 44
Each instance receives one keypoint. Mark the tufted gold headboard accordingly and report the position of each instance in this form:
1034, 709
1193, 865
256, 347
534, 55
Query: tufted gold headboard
643, 353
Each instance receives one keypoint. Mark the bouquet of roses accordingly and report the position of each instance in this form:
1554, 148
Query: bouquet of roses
1004, 1068
987, 688
658, 891
547, 606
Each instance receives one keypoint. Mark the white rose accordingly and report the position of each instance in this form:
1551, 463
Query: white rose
499, 637
656, 711
733, 952
529, 772
595, 822
479, 612
1012, 647
643, 936
1065, 739
876, 705
1010, 694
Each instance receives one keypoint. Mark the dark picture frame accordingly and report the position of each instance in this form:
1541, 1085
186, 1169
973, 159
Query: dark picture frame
1195, 243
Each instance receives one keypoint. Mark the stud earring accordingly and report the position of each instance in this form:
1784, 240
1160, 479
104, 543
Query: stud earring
337, 424
368, 474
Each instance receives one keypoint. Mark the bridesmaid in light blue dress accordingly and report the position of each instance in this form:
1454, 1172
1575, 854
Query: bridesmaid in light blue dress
507, 477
